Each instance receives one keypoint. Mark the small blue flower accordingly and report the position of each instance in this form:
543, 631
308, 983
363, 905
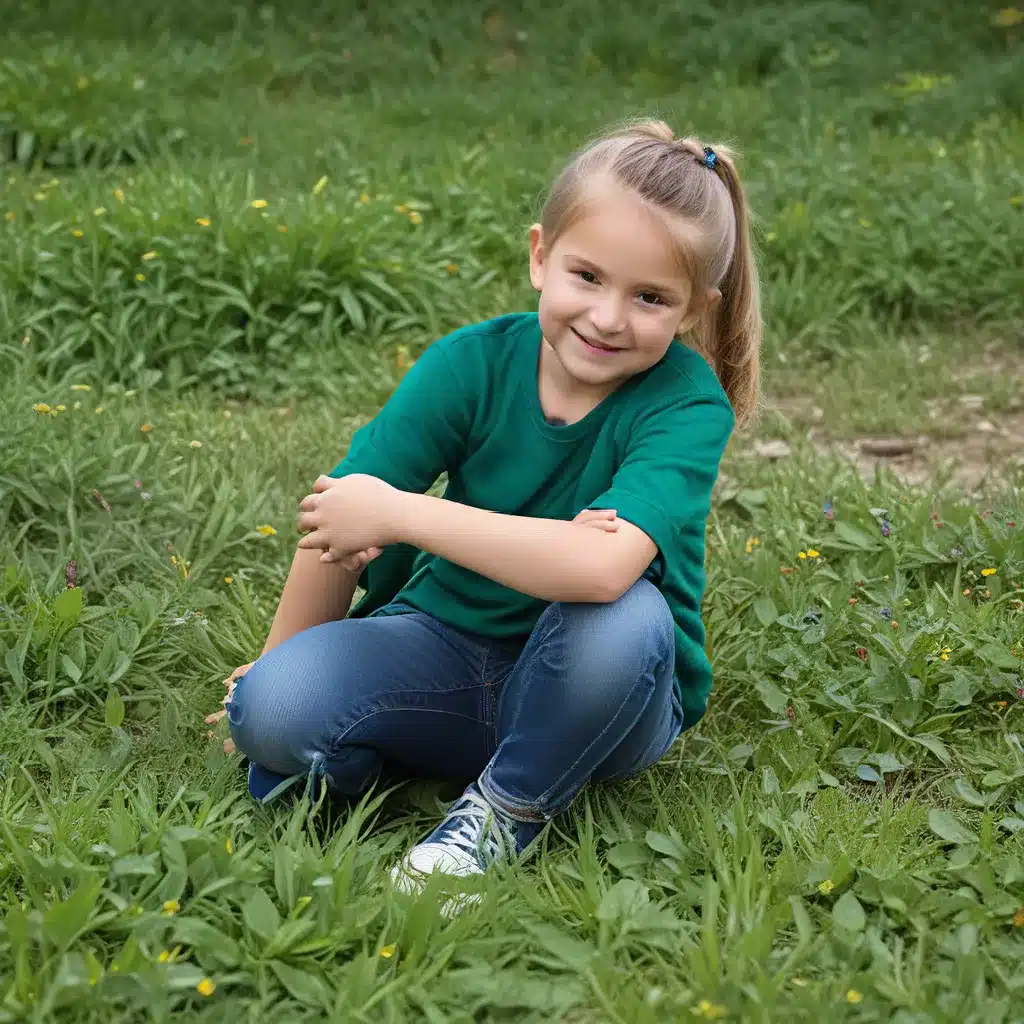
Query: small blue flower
886, 528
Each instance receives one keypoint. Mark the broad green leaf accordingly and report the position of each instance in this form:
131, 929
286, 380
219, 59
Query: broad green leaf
867, 773
260, 914
63, 921
120, 667
771, 696
625, 899
945, 826
670, 846
74, 673
68, 606
999, 657
765, 610
969, 793
848, 913
304, 986
113, 709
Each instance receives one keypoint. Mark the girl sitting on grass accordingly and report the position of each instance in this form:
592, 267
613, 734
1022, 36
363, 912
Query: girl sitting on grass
539, 627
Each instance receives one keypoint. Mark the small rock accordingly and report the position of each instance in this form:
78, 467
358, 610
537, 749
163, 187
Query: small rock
773, 449
985, 427
974, 402
887, 447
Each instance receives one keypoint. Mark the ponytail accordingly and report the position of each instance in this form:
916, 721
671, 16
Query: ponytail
730, 335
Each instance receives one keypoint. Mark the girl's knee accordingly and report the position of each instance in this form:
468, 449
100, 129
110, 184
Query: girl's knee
638, 626
268, 720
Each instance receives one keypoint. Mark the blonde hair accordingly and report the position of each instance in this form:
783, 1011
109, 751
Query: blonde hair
671, 174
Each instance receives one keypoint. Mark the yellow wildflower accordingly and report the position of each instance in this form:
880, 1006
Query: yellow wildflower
81, 387
708, 1010
99, 408
752, 542
228, 579
206, 987
140, 277
1008, 17
165, 955
452, 268
118, 195
945, 653
146, 428
151, 255
989, 572
61, 408
801, 554
195, 444
227, 842
811, 553
416, 217
99, 211
283, 228
259, 204
77, 232
853, 996
387, 951
320, 185
402, 208
364, 198
203, 222
826, 887
10, 215
171, 906
42, 408
1018, 918
266, 531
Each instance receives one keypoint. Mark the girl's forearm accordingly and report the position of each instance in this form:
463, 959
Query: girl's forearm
314, 593
549, 559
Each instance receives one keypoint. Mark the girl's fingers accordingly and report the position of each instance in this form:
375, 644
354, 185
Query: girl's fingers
215, 717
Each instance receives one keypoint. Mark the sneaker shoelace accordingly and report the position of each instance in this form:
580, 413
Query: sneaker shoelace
474, 827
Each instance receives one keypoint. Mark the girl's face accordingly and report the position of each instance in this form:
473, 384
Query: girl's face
613, 295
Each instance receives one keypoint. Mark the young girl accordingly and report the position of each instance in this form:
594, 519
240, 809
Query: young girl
539, 626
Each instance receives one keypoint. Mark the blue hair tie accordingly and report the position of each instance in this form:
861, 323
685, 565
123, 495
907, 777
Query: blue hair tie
710, 160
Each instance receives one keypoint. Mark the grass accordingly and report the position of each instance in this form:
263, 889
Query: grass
842, 837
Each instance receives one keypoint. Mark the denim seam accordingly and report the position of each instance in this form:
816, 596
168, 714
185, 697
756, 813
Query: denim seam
340, 740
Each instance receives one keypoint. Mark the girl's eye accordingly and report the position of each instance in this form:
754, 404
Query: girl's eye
587, 276
651, 298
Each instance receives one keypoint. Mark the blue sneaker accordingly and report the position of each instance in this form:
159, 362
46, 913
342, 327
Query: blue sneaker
473, 837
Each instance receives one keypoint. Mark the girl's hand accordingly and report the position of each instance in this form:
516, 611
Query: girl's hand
350, 519
601, 518
216, 716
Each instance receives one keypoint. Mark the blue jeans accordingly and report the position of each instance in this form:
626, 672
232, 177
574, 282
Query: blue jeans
588, 696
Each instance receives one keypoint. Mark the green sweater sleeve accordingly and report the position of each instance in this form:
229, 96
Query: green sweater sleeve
421, 432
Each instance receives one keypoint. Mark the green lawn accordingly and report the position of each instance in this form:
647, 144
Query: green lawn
226, 232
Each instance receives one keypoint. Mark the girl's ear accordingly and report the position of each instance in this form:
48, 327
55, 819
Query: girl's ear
537, 257
698, 307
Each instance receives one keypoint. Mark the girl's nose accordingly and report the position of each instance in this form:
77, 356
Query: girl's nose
609, 315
